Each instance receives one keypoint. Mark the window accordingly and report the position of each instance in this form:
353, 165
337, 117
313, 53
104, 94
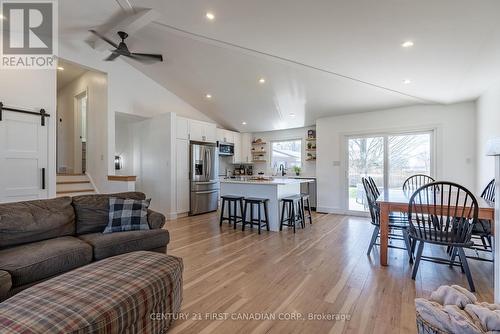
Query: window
389, 159
287, 152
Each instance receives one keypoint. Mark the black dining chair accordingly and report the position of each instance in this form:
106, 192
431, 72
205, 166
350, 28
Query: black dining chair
482, 228
373, 185
395, 223
443, 213
416, 181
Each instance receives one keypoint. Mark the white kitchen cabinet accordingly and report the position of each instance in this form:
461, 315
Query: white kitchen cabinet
225, 136
237, 148
202, 131
182, 175
220, 133
182, 128
246, 148
210, 132
196, 130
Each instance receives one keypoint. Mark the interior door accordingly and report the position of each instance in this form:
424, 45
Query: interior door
23, 157
80, 147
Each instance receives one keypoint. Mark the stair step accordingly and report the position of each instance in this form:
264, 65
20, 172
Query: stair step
75, 191
72, 178
73, 194
71, 182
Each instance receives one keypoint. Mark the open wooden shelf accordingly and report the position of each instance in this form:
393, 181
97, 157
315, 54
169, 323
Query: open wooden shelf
310, 139
258, 161
262, 143
257, 152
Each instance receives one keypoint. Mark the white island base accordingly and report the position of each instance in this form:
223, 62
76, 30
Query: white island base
274, 190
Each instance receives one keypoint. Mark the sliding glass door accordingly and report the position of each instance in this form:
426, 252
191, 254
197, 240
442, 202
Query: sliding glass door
389, 159
366, 157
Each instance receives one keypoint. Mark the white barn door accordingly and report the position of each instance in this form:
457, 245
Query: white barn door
23, 157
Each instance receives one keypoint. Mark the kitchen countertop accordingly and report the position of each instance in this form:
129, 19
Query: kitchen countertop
272, 181
274, 177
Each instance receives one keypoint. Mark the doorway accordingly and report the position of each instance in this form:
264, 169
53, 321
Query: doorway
81, 133
389, 158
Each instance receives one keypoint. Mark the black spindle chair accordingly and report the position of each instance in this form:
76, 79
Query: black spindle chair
482, 228
443, 213
416, 181
373, 185
394, 222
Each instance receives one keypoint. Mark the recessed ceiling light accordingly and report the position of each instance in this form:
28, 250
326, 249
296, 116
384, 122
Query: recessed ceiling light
407, 44
2, 17
292, 115
244, 123
407, 81
60, 68
210, 16
262, 80
208, 96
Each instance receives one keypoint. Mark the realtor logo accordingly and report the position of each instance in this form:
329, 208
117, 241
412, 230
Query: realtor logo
29, 34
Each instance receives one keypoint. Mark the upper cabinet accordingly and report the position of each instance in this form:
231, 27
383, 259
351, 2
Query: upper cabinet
202, 131
225, 136
246, 148
237, 148
182, 128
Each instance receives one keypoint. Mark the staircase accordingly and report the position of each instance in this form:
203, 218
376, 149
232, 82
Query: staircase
73, 185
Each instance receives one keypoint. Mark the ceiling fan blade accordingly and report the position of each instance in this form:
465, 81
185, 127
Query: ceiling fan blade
148, 58
104, 38
112, 56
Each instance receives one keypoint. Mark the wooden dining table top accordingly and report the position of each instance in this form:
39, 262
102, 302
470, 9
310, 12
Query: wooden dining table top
401, 199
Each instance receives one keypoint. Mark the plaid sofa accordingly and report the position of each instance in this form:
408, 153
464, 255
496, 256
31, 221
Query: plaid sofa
122, 294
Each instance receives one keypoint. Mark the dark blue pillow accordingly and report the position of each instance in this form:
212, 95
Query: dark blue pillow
127, 215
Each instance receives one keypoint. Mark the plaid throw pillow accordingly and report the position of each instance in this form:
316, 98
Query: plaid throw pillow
127, 215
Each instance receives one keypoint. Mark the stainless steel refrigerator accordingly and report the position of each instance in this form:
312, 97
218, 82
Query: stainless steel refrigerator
204, 194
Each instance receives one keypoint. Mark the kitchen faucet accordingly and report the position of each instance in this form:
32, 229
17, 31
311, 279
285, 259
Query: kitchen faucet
282, 169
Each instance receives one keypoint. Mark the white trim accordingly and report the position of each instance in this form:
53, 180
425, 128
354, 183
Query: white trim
92, 183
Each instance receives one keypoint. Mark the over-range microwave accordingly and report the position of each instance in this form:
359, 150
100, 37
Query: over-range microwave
226, 148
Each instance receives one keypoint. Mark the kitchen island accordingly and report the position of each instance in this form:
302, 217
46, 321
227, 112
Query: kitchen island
272, 188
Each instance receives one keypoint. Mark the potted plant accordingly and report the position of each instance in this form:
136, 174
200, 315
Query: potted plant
297, 170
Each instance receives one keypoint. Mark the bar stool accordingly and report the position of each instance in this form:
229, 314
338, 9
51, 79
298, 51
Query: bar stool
252, 221
232, 209
304, 199
293, 207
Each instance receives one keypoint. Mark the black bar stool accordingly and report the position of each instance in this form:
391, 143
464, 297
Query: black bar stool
294, 214
232, 208
305, 200
252, 221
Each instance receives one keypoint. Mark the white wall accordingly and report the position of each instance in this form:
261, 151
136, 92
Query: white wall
308, 167
34, 89
455, 144
488, 127
95, 83
129, 91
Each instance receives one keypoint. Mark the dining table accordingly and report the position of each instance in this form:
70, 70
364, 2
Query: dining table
397, 200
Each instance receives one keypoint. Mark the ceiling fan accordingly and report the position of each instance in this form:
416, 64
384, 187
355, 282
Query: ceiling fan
122, 50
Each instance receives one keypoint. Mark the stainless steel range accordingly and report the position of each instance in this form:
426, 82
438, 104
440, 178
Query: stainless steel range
204, 195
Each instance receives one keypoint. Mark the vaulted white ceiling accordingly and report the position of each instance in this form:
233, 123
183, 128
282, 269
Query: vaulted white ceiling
319, 58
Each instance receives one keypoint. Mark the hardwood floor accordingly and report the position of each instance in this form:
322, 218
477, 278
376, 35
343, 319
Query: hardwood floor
322, 270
